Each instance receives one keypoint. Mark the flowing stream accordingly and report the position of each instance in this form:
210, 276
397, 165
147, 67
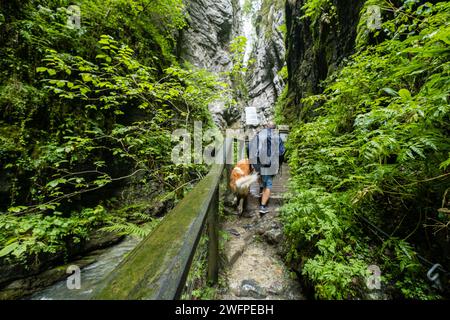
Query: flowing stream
91, 276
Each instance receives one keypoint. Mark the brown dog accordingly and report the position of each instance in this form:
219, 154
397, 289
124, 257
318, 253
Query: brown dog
240, 181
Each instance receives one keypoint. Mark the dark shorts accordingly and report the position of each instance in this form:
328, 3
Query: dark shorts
267, 182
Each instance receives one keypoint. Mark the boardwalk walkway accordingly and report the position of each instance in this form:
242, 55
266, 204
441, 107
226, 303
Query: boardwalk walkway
255, 267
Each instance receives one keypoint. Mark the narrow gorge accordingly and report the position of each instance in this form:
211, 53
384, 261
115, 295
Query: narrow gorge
105, 174
213, 27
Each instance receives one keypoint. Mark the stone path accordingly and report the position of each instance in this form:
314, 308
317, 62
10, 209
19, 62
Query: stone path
255, 267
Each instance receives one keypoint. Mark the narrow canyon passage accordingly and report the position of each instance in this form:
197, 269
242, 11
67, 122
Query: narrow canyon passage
113, 179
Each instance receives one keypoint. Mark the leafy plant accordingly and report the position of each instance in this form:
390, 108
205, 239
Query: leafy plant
84, 116
240, 67
316, 9
378, 149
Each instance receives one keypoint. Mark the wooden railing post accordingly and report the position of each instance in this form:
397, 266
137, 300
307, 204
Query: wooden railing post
213, 239
228, 158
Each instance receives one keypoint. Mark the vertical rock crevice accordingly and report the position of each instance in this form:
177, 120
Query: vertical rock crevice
315, 49
205, 44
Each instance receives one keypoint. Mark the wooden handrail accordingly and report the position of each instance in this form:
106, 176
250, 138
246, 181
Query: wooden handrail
158, 267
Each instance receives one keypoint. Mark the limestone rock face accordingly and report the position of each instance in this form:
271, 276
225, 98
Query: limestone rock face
268, 52
316, 50
212, 26
205, 44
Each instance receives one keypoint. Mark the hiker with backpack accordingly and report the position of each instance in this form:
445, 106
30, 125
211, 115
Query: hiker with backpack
266, 154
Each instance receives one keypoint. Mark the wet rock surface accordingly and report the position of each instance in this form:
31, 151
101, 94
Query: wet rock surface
268, 52
251, 288
255, 266
256, 271
271, 231
212, 26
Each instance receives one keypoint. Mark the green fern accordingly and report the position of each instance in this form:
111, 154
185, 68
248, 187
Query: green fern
131, 229
378, 147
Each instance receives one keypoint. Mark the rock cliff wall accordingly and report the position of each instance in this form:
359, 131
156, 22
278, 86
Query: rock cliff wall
315, 50
205, 44
268, 52
212, 26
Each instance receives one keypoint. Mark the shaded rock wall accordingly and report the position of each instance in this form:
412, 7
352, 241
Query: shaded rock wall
314, 52
212, 26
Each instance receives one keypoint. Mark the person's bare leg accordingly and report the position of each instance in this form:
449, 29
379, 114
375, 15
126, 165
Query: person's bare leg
265, 196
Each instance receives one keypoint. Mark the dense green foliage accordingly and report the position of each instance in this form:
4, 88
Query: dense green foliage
318, 9
240, 70
378, 148
265, 18
86, 116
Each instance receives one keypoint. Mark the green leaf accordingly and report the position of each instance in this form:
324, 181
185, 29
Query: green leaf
390, 91
8, 249
44, 207
444, 165
61, 83
56, 182
87, 77
17, 209
405, 94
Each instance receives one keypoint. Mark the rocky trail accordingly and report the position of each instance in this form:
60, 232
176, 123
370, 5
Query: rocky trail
255, 266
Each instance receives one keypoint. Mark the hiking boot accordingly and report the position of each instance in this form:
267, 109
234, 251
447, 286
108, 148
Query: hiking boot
263, 210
